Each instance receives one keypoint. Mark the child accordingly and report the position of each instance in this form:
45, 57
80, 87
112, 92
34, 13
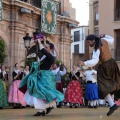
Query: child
91, 87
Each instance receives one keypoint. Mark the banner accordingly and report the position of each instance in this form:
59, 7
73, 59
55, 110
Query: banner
49, 16
0, 10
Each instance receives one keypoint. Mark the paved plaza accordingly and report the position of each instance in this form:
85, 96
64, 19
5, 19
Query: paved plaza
60, 114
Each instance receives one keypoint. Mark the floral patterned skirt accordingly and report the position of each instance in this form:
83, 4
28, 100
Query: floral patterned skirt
73, 92
16, 96
3, 95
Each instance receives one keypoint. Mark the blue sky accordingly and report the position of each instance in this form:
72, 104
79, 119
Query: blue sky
82, 10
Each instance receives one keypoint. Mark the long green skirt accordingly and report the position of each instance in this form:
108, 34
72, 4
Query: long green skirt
3, 95
41, 84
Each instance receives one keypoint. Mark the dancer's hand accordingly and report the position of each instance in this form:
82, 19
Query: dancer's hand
39, 41
81, 63
93, 73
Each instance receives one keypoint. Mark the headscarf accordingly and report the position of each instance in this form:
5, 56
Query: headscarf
37, 36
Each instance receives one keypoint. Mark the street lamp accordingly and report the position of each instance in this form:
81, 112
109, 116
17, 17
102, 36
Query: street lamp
37, 32
27, 40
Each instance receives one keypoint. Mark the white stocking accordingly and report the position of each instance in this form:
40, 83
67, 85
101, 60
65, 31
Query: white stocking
41, 110
109, 100
91, 103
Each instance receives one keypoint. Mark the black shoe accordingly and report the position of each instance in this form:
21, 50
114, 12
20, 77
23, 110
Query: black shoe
59, 106
16, 107
40, 113
90, 107
76, 106
1, 107
70, 106
48, 110
23, 107
112, 109
95, 106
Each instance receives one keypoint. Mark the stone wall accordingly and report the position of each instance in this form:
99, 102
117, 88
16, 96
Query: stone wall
16, 24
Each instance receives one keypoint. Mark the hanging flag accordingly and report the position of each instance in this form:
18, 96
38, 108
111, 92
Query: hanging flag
49, 16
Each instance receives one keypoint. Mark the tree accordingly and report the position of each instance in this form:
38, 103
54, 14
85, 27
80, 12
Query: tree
2, 51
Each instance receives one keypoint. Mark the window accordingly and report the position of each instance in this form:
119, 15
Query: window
59, 8
76, 36
96, 31
117, 44
117, 10
76, 49
96, 15
36, 3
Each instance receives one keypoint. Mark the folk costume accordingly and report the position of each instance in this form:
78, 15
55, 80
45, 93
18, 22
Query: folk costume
41, 85
91, 93
16, 96
3, 94
58, 74
108, 74
73, 94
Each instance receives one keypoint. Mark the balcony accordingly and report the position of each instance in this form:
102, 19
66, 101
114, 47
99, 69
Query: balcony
117, 14
36, 3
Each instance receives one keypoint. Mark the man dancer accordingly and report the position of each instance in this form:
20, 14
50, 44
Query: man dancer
108, 74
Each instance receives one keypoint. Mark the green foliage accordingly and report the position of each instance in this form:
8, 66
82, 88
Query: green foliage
65, 80
2, 51
57, 62
28, 61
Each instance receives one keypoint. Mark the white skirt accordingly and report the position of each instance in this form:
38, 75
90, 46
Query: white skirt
37, 103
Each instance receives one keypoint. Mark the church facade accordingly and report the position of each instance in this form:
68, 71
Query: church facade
24, 16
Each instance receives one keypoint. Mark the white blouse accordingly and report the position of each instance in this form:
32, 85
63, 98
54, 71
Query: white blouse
89, 75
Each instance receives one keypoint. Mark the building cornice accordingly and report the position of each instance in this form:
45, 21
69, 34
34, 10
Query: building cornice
67, 19
37, 11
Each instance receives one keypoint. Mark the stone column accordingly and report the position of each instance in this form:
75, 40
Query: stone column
65, 45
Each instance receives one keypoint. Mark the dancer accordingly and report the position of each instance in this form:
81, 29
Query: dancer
15, 96
108, 74
73, 93
3, 93
91, 87
41, 84
59, 71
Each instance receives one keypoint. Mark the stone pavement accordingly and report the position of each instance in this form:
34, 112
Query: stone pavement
60, 114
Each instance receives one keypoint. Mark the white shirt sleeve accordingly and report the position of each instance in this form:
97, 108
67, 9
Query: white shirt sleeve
95, 71
55, 71
109, 39
63, 72
94, 60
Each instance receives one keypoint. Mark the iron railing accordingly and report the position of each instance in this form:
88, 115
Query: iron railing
37, 3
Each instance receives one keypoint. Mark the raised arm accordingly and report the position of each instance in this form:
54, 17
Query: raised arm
63, 72
47, 54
